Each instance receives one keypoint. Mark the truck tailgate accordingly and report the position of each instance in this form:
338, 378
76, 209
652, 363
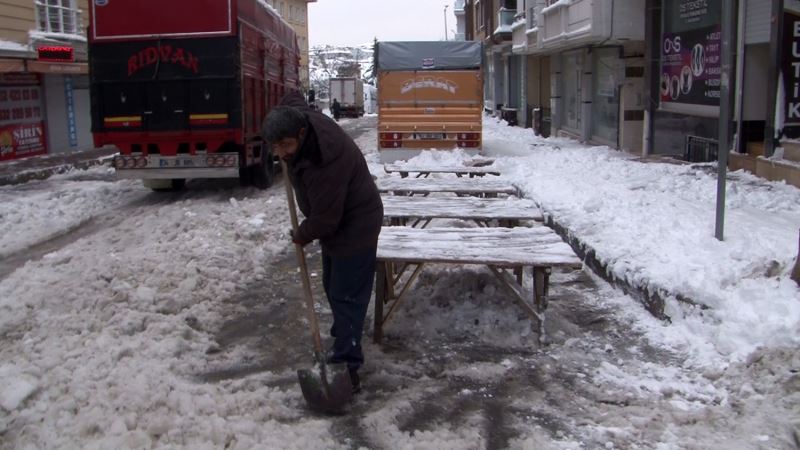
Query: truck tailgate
430, 100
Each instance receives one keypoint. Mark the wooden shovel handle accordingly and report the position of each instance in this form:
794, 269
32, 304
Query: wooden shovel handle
301, 261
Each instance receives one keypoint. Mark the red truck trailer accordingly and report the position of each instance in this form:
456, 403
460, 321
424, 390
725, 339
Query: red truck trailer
182, 87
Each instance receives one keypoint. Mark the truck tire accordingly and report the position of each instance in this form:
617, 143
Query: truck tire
246, 176
263, 174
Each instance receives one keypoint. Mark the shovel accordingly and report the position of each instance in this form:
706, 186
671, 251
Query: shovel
326, 387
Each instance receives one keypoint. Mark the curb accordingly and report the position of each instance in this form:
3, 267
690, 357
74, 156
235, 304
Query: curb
652, 297
47, 172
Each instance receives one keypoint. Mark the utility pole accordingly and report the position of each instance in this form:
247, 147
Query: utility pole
727, 52
776, 49
445, 22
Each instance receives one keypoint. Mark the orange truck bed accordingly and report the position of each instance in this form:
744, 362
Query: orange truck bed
428, 108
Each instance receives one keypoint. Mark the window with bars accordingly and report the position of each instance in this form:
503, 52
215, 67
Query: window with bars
58, 16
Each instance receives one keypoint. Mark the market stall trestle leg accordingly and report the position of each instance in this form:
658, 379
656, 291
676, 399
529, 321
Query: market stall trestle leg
541, 280
386, 283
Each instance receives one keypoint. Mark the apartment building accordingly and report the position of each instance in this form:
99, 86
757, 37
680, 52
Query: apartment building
571, 69
567, 68
295, 12
44, 86
645, 76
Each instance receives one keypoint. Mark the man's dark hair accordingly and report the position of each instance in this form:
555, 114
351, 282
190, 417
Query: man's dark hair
284, 122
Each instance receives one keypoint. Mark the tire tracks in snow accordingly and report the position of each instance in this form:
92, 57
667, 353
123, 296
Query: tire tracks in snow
199, 189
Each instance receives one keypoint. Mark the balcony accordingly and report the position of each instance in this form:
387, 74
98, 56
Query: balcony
532, 29
519, 38
504, 30
581, 22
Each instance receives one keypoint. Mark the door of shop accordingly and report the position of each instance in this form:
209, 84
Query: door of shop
572, 63
605, 99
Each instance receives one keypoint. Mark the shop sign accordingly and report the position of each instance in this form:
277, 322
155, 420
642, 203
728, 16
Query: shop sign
56, 54
69, 100
18, 141
790, 71
691, 57
21, 117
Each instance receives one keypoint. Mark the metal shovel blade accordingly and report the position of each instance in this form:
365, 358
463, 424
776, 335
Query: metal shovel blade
326, 387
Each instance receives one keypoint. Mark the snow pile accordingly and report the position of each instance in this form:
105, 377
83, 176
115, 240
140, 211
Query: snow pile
653, 225
64, 205
15, 387
122, 319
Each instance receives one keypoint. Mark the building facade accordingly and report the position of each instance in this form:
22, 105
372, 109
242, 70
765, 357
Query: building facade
565, 68
646, 76
44, 86
295, 12
459, 9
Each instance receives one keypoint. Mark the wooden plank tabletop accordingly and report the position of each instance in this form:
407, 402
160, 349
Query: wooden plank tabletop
459, 170
468, 208
456, 185
508, 247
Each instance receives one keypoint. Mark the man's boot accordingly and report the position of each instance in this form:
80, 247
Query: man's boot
355, 380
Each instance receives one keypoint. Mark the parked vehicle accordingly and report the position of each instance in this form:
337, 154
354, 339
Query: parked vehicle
186, 98
430, 95
350, 94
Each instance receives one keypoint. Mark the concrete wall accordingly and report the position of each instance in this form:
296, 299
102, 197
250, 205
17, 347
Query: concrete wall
16, 18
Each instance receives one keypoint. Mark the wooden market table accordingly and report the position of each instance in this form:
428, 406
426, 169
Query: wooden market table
423, 171
508, 211
464, 186
503, 250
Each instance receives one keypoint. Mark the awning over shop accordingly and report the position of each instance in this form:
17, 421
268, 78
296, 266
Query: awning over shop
50, 67
12, 65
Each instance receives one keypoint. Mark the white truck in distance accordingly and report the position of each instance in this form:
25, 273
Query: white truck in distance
350, 94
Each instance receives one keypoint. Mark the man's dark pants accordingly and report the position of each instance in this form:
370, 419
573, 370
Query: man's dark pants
348, 282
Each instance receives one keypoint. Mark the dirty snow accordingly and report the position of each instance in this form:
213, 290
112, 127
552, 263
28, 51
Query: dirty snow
107, 341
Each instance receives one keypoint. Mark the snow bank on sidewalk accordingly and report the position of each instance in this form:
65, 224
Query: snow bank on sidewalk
652, 224
58, 205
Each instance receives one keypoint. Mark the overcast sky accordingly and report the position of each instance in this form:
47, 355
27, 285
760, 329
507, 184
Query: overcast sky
353, 22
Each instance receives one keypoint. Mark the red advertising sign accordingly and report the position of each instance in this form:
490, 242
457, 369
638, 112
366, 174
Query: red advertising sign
56, 54
22, 131
19, 141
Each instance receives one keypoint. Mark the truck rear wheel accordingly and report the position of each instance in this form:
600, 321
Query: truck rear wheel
263, 174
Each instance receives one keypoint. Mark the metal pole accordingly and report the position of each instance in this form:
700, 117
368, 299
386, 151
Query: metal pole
652, 35
737, 109
775, 49
445, 22
728, 50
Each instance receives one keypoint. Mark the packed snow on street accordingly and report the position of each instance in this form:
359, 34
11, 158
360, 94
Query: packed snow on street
134, 319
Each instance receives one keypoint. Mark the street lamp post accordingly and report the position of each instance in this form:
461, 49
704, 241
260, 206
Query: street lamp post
445, 22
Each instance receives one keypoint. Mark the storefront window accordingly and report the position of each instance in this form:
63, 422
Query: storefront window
572, 90
605, 101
